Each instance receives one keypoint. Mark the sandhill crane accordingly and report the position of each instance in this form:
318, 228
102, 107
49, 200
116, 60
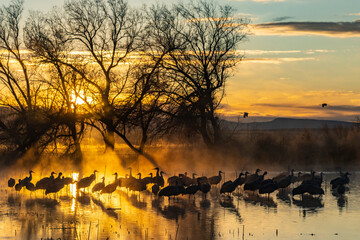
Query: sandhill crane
167, 191
285, 182
194, 180
268, 188
227, 187
44, 182
67, 180
130, 173
299, 190
308, 176
18, 186
246, 115
314, 189
148, 180
204, 187
317, 180
191, 190
241, 180
130, 180
123, 182
110, 188
187, 180
159, 179
265, 182
215, 180
99, 186
138, 185
155, 189
30, 186
202, 180
87, 181
175, 179
324, 105
297, 178
308, 187
282, 175
179, 189
314, 180
340, 180
11, 182
27, 179
254, 185
55, 186
253, 177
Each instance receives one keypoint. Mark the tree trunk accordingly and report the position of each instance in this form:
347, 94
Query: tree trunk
109, 139
78, 157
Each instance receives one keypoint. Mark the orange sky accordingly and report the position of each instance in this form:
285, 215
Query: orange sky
298, 55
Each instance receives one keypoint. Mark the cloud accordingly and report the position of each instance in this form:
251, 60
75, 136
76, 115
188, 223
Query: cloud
329, 29
313, 51
277, 60
259, 52
342, 108
264, 52
262, 1
268, 1
280, 19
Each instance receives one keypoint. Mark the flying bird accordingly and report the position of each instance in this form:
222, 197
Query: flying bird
246, 114
324, 105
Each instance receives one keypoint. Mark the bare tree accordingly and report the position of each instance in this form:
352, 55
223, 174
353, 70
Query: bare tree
23, 123
105, 38
197, 69
49, 45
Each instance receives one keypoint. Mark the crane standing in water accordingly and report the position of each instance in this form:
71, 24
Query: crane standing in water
215, 180
110, 188
204, 187
159, 179
87, 181
11, 182
228, 187
99, 186
55, 186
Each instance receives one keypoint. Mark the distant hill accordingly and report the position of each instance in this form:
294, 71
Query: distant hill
288, 123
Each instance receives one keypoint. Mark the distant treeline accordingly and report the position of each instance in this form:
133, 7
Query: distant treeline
307, 148
96, 65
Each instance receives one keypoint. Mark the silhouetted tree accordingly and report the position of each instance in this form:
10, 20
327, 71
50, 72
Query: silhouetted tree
23, 124
48, 43
205, 38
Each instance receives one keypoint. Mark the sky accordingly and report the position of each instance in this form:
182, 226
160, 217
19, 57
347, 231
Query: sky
298, 55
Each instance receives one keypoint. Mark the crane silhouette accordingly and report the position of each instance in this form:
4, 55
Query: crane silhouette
11, 182
87, 181
99, 186
110, 188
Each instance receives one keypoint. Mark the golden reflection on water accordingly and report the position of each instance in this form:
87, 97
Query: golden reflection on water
130, 216
75, 177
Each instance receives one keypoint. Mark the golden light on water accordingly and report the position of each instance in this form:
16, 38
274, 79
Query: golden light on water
74, 176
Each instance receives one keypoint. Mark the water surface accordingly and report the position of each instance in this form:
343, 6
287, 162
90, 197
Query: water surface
127, 215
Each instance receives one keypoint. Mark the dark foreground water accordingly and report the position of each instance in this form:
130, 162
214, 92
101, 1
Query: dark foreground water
126, 216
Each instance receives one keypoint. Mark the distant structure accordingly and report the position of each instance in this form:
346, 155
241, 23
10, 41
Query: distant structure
246, 114
324, 105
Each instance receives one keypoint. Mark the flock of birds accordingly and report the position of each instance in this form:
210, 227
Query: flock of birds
184, 185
